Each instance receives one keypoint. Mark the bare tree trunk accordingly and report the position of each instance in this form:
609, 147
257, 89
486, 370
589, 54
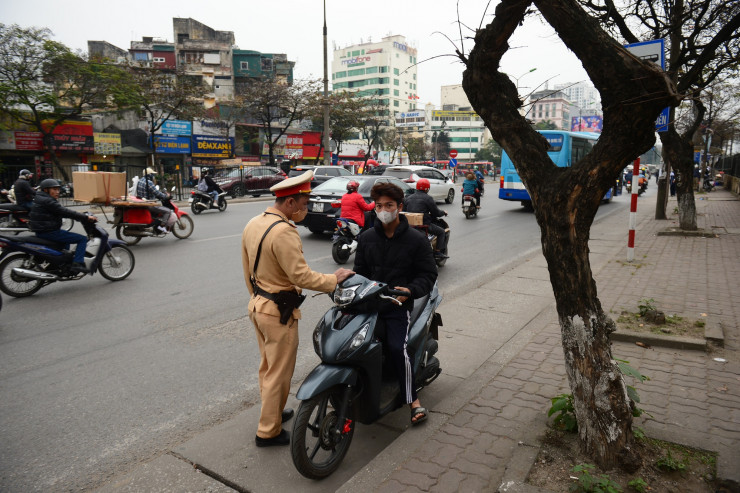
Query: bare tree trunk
679, 152
48, 145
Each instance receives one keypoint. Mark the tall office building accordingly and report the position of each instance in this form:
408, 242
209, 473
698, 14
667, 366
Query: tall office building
585, 98
386, 70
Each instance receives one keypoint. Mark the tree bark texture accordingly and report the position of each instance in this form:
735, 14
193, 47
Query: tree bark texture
680, 153
566, 199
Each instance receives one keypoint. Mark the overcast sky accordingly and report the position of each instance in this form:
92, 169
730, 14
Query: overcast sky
294, 27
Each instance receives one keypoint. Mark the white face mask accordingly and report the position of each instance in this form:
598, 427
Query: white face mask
387, 217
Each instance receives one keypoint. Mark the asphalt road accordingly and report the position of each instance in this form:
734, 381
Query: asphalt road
97, 377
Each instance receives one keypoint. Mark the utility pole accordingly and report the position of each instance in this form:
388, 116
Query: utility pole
327, 150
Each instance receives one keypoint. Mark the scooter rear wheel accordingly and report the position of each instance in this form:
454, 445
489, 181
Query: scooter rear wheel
316, 450
339, 254
130, 240
14, 285
195, 208
222, 205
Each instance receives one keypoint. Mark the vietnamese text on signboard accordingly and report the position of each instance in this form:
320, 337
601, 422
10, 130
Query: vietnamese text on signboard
172, 144
175, 127
107, 143
212, 146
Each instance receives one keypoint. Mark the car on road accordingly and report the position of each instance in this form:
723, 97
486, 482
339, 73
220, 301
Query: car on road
320, 173
249, 180
440, 187
323, 217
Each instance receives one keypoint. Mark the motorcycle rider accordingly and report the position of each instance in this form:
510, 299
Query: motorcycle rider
46, 221
146, 189
422, 202
22, 190
481, 179
470, 187
396, 254
213, 189
354, 205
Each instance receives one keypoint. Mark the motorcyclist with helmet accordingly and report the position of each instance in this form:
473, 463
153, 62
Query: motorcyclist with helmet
146, 189
46, 221
23, 191
422, 202
354, 205
212, 187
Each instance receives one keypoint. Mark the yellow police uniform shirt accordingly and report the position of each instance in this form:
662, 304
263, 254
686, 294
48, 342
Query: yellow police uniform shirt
282, 265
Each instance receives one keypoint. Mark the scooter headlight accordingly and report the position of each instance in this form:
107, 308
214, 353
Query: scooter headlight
345, 296
317, 339
357, 341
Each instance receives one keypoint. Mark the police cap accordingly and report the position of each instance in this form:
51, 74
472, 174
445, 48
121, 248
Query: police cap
292, 186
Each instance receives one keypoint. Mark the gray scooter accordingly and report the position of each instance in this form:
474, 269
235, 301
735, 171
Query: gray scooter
355, 381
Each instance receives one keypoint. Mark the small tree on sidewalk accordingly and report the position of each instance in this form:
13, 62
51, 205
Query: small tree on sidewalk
275, 106
43, 83
566, 199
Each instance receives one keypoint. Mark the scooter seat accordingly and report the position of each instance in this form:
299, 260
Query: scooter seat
38, 241
13, 208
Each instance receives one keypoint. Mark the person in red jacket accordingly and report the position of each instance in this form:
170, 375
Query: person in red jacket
354, 206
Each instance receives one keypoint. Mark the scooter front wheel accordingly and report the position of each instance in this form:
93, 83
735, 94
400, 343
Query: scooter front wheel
183, 227
316, 448
117, 264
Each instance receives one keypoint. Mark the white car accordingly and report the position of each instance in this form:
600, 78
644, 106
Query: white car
440, 186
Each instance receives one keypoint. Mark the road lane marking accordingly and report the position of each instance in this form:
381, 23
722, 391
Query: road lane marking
216, 238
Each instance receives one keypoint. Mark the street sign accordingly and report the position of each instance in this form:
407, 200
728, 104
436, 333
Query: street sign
453, 153
453, 162
653, 51
434, 159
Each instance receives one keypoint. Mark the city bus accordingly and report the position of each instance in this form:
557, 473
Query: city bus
565, 148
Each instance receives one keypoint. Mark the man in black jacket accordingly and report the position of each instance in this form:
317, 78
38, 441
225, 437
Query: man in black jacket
423, 203
46, 221
22, 189
396, 254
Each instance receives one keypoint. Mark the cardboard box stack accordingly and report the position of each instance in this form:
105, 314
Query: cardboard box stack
98, 186
414, 218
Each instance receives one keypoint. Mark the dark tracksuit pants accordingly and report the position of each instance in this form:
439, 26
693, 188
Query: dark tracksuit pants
397, 321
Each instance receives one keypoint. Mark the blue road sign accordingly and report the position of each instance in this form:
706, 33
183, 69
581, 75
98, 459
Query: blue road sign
452, 163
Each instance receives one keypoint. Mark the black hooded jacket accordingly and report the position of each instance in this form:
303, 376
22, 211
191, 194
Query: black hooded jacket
404, 260
46, 213
424, 203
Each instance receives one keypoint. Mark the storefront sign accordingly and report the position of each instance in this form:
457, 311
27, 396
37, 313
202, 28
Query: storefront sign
107, 143
73, 143
29, 141
172, 144
175, 127
212, 127
212, 146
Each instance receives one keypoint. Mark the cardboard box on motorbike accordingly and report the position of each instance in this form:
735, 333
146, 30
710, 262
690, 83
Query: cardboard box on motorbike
414, 218
98, 186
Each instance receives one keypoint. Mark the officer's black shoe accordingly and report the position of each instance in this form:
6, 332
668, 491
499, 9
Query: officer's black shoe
439, 254
79, 268
282, 439
287, 414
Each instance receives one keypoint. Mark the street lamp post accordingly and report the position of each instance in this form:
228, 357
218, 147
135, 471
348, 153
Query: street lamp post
327, 150
517, 78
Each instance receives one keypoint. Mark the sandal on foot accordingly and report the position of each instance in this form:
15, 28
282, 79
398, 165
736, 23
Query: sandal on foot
416, 411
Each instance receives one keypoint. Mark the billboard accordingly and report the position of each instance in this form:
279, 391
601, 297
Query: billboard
411, 119
592, 123
107, 143
174, 144
212, 146
175, 127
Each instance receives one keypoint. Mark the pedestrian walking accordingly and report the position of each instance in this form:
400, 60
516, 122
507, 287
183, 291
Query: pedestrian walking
275, 271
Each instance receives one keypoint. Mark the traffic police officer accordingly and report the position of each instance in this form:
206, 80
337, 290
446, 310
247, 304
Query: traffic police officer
272, 242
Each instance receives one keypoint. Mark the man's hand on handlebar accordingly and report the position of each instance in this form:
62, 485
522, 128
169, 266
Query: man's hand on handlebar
401, 299
343, 274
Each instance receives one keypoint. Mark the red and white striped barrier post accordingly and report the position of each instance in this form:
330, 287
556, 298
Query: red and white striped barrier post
633, 210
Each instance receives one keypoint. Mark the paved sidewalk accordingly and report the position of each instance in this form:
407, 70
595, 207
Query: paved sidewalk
484, 436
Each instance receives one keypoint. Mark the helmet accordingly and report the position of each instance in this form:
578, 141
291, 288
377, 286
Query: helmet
49, 183
352, 186
204, 171
423, 185
149, 171
25, 172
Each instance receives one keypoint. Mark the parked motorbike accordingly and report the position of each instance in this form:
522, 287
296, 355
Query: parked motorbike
134, 222
708, 184
344, 242
14, 220
441, 261
202, 201
469, 206
355, 381
28, 263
